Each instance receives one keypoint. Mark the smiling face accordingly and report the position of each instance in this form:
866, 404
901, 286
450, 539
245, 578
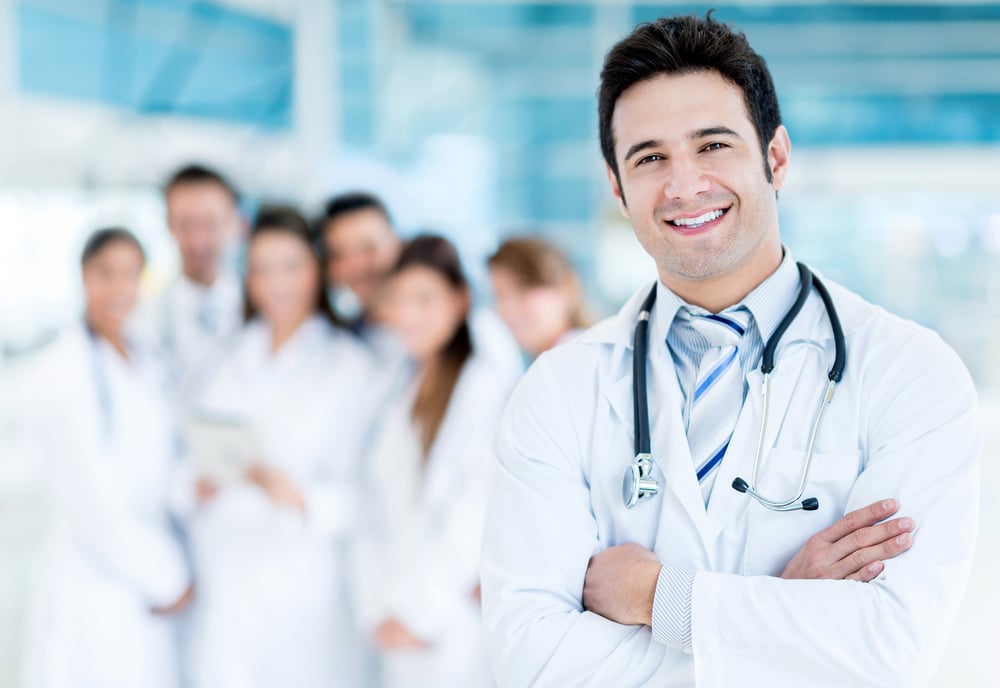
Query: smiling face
283, 279
424, 310
537, 315
111, 285
361, 248
202, 218
693, 180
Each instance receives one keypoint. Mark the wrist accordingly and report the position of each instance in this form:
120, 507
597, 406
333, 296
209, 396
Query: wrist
647, 578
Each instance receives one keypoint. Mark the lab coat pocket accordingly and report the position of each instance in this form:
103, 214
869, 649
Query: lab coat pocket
773, 537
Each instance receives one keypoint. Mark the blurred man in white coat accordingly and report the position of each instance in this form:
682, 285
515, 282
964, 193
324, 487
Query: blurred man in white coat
201, 305
799, 500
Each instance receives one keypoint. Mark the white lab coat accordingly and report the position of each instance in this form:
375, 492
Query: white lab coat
418, 552
102, 428
273, 606
170, 323
902, 424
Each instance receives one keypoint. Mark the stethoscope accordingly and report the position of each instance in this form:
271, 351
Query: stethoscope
639, 481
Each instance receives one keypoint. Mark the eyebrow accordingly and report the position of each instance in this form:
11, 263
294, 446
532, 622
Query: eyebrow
697, 134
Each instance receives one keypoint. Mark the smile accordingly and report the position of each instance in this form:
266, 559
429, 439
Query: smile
696, 222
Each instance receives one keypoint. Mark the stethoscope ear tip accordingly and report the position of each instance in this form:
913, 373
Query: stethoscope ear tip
740, 485
810, 504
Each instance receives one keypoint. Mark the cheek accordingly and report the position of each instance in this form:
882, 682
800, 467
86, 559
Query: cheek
546, 306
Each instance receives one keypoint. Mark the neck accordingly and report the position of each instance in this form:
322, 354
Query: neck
283, 331
205, 278
113, 334
554, 339
716, 294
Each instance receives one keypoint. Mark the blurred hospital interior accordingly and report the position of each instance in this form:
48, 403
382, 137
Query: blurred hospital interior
477, 120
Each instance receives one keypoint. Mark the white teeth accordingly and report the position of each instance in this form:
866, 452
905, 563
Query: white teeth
700, 220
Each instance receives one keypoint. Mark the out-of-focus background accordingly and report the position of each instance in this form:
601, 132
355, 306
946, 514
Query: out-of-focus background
478, 119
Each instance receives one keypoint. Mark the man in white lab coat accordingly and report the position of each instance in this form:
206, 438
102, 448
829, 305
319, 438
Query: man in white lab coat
203, 304
700, 584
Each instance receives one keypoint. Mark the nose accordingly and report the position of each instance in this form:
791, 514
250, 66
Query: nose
685, 178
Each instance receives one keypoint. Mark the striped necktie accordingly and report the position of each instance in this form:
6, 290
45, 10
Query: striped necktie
717, 398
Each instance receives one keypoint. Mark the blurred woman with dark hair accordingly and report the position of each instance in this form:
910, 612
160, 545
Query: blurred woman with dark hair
113, 568
538, 294
268, 545
429, 470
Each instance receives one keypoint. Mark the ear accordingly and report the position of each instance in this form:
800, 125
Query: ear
617, 190
779, 152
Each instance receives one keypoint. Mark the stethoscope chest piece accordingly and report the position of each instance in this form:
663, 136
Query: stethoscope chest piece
639, 481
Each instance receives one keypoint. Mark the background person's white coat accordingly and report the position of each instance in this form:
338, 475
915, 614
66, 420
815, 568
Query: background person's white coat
111, 554
902, 425
419, 548
272, 607
186, 321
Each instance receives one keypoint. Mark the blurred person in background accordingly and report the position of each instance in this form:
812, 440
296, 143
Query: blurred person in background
200, 306
537, 293
112, 571
428, 471
269, 547
361, 245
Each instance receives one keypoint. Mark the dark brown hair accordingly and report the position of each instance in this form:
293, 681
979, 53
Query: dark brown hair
280, 219
352, 202
536, 263
102, 238
438, 254
682, 45
199, 174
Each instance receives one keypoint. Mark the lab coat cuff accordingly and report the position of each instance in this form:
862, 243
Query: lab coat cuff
672, 607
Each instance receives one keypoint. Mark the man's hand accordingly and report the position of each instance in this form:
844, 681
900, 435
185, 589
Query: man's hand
853, 547
392, 635
620, 584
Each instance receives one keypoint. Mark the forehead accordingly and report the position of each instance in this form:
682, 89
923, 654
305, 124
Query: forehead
276, 243
671, 106
363, 223
116, 252
202, 193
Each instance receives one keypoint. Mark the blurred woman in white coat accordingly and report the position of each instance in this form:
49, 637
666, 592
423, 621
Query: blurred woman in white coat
112, 570
428, 474
268, 549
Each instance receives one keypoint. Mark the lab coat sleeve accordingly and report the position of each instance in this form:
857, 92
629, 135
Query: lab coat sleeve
923, 449
441, 584
540, 534
139, 548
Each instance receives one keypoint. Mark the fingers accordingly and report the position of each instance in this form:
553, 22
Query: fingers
870, 536
868, 573
858, 561
865, 516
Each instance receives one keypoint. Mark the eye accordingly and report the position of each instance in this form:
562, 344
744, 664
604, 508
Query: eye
716, 145
649, 158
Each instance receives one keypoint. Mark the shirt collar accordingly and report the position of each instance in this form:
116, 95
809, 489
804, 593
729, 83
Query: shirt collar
768, 302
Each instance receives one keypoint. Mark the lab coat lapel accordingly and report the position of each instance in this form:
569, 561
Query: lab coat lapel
726, 504
671, 453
